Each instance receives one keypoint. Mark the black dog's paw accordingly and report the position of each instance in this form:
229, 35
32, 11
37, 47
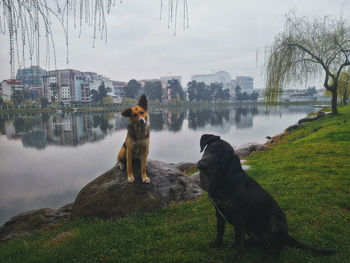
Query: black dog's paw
233, 260
216, 243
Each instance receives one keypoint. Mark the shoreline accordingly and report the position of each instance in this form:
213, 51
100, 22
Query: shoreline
120, 107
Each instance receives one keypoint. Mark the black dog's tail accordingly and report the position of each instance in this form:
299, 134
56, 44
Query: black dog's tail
295, 243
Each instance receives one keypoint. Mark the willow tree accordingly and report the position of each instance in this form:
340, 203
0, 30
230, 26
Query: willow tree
306, 49
27, 22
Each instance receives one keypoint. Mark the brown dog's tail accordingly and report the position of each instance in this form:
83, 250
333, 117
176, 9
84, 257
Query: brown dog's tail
295, 243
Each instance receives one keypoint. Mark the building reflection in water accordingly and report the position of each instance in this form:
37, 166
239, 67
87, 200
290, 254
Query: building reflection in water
73, 129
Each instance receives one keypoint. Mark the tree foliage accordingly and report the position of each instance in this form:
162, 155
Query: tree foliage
132, 89
100, 94
19, 96
54, 91
306, 49
311, 91
153, 90
107, 100
44, 102
201, 91
343, 87
176, 91
244, 96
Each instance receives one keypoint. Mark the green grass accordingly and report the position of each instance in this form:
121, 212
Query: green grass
307, 173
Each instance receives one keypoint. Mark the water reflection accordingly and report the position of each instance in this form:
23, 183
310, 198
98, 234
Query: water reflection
63, 129
72, 129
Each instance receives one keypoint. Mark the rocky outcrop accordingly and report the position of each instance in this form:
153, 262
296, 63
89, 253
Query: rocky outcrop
111, 196
246, 149
320, 114
28, 222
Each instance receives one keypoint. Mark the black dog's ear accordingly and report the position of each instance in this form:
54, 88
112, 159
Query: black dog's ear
127, 113
143, 102
206, 139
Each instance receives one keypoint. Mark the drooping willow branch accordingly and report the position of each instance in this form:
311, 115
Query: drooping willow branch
27, 22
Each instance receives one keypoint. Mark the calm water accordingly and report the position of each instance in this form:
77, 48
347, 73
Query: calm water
46, 159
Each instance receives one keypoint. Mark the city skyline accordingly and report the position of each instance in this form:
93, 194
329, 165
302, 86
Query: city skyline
225, 36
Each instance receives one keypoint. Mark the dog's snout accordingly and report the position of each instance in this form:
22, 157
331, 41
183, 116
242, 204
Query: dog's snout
142, 121
202, 164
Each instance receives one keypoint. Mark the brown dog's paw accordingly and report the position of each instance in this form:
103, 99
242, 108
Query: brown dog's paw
131, 179
146, 180
121, 165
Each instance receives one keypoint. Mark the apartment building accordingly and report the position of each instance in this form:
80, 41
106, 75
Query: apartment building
8, 86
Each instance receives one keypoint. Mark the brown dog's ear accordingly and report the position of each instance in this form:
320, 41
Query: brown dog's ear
206, 139
143, 102
127, 113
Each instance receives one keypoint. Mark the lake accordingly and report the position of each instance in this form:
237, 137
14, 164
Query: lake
47, 158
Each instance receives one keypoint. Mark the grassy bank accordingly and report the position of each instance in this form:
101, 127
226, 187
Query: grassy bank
307, 172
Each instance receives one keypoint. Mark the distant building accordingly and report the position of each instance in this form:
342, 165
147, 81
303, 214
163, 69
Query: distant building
32, 80
167, 78
4, 96
9, 86
65, 94
144, 81
31, 77
246, 83
118, 88
218, 77
98, 79
73, 85
300, 95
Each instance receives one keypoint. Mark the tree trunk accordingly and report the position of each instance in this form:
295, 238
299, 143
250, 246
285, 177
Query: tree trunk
345, 97
334, 101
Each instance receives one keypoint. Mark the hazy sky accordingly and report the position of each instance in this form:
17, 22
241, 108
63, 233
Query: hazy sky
222, 35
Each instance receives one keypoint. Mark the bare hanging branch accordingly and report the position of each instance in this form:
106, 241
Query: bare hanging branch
28, 21
173, 6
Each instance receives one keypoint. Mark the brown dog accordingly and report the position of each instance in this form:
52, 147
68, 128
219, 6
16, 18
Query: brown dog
136, 144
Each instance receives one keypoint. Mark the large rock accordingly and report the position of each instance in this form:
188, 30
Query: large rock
319, 115
28, 222
111, 196
308, 119
246, 149
183, 167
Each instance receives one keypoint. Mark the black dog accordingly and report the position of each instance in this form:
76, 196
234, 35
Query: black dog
241, 201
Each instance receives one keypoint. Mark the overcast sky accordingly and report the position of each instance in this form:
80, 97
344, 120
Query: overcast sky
222, 35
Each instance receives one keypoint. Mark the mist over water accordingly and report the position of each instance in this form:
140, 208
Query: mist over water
46, 159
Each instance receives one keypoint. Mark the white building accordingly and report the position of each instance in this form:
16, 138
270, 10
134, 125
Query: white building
96, 81
65, 94
246, 83
9, 86
218, 77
